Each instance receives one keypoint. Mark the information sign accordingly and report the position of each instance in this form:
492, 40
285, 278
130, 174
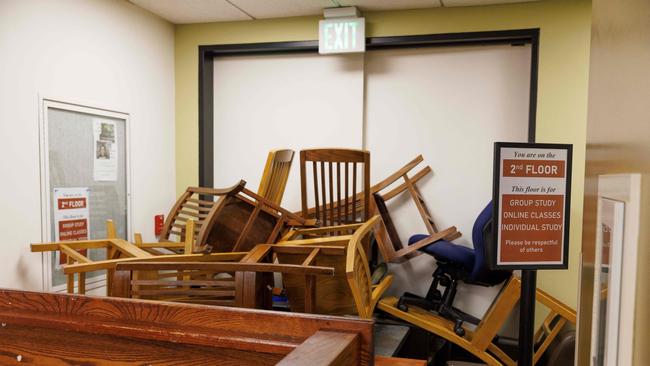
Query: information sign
532, 195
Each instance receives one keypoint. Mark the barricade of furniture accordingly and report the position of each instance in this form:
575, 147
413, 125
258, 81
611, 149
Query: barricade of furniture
233, 242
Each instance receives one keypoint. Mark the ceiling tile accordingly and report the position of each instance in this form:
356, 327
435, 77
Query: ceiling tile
378, 5
481, 2
192, 11
282, 8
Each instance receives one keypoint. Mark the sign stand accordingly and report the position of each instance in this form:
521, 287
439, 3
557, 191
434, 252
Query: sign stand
527, 317
531, 199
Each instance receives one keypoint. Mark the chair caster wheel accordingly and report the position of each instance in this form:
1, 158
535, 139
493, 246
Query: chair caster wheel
402, 307
459, 331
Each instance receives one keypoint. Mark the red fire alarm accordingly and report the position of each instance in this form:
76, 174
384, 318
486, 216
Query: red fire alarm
159, 222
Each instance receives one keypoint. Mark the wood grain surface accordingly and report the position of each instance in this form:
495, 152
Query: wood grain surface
62, 323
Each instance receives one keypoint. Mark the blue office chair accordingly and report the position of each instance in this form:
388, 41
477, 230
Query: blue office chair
457, 263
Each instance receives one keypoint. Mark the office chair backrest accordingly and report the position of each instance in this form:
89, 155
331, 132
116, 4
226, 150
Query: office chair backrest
481, 238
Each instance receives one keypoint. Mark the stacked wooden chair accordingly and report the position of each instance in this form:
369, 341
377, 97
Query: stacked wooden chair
337, 176
275, 175
202, 220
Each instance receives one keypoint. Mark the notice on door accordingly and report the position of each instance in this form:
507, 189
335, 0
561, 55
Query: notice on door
532, 205
71, 215
105, 151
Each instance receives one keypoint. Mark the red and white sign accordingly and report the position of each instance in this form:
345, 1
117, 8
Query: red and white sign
531, 198
71, 215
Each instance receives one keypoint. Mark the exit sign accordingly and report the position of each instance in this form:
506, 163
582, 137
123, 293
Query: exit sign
342, 35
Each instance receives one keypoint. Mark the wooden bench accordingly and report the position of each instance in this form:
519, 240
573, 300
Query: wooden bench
48, 329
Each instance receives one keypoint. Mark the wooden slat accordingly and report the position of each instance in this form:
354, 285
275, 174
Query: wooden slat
342, 239
354, 188
164, 244
497, 314
398, 174
184, 292
128, 248
307, 249
216, 283
402, 187
338, 190
197, 208
192, 214
110, 263
310, 258
200, 202
71, 253
323, 190
225, 267
327, 229
347, 205
76, 245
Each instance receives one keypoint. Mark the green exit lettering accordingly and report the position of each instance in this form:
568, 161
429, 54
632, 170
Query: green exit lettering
340, 36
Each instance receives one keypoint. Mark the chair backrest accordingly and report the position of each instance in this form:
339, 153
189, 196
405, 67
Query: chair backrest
358, 272
481, 235
198, 204
276, 173
388, 240
335, 177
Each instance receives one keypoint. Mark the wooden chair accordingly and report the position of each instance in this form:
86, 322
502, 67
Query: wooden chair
480, 341
335, 179
55, 329
115, 249
358, 274
232, 219
333, 293
276, 173
388, 241
243, 282
200, 205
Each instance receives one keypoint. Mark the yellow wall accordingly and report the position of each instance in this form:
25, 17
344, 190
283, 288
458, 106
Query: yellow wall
562, 93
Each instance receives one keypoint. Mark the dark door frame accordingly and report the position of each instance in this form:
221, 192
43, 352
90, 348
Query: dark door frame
208, 53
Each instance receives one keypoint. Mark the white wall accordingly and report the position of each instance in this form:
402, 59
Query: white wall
450, 105
286, 101
107, 54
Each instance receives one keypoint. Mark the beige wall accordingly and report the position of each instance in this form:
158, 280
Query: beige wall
562, 89
105, 54
618, 141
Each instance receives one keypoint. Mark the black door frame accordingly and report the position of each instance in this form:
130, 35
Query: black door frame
208, 53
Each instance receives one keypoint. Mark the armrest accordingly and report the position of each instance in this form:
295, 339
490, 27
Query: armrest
379, 289
427, 241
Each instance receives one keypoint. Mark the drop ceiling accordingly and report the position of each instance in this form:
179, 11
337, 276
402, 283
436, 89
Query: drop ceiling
203, 11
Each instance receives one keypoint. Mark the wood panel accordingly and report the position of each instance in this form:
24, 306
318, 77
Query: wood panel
64, 328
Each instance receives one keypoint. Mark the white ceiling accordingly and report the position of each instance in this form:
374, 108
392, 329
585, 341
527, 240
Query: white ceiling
203, 11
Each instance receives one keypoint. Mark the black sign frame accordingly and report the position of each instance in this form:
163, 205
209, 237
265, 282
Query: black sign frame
496, 178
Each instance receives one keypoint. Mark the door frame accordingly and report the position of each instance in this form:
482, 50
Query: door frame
209, 52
